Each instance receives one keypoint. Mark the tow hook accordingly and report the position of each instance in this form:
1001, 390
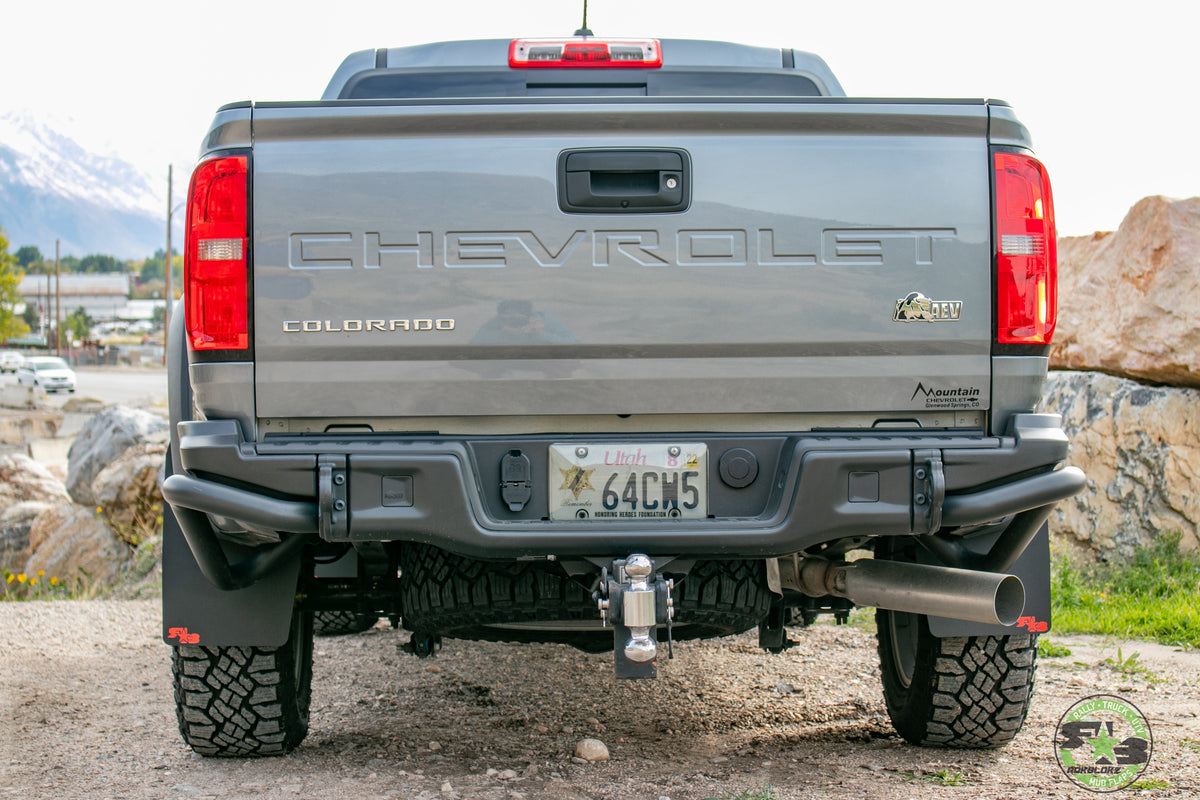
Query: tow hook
635, 601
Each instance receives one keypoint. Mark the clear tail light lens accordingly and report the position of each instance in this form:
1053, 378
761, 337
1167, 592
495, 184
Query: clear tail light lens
216, 296
585, 52
1026, 252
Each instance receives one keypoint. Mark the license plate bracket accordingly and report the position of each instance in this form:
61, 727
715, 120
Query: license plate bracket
622, 482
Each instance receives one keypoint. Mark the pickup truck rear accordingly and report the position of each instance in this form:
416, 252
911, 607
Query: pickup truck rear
611, 343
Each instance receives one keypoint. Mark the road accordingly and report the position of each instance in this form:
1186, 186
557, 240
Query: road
86, 711
124, 385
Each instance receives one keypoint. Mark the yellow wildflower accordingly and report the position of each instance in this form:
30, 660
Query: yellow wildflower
10, 578
53, 581
33, 582
41, 573
21, 578
99, 510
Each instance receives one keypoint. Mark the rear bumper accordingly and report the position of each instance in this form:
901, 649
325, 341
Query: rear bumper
813, 488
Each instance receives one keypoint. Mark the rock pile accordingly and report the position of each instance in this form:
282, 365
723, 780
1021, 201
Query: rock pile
85, 531
1129, 302
1129, 306
1140, 448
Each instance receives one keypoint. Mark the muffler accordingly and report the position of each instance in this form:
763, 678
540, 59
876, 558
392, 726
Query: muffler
985, 597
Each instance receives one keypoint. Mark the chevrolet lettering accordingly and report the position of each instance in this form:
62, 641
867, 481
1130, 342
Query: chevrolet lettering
586, 341
892, 247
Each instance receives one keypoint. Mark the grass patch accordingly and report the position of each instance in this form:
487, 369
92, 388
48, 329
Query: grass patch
1048, 649
1155, 595
19, 586
939, 777
1132, 666
1149, 783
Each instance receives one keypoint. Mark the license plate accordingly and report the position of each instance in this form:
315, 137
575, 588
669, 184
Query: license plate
628, 481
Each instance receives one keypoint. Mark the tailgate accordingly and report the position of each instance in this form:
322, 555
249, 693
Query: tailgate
415, 261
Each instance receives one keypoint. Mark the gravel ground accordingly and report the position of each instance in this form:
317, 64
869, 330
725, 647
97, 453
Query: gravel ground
86, 712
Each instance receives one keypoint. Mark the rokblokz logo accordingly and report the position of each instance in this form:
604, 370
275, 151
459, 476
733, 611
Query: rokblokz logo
1103, 743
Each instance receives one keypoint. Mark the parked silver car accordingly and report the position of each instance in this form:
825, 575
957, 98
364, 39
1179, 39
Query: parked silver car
49, 372
10, 360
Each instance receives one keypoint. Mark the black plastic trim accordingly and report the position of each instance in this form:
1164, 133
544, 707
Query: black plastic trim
807, 505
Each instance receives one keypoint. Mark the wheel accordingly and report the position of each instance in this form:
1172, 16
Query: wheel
962, 691
534, 601
340, 623
235, 702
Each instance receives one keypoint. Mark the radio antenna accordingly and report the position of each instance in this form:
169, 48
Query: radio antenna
583, 31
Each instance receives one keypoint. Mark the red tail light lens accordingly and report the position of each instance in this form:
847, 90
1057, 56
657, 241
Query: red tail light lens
217, 304
1026, 252
566, 53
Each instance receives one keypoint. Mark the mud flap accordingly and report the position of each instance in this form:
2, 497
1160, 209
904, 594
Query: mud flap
196, 612
1033, 568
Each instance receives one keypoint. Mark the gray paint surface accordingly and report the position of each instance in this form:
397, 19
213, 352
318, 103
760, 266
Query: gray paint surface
774, 292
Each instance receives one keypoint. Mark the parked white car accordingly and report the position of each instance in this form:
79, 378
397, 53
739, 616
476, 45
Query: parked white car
49, 372
10, 360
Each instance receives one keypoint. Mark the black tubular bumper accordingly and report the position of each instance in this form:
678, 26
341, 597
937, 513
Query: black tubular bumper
444, 491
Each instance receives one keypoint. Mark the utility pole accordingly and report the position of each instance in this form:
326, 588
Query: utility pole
57, 304
169, 292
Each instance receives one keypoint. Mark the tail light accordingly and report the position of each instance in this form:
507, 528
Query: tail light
217, 305
1026, 252
585, 52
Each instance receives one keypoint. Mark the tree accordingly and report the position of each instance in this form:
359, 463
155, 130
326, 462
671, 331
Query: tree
10, 279
31, 317
79, 324
99, 263
28, 256
153, 268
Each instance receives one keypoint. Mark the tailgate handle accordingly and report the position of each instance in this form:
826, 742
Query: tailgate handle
614, 181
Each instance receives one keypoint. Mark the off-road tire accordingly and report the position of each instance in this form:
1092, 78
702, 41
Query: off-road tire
341, 623
961, 691
463, 598
237, 702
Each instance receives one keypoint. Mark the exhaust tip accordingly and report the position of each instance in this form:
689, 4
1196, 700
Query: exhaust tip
1009, 600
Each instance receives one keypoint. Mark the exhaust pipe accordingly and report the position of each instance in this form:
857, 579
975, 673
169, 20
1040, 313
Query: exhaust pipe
985, 597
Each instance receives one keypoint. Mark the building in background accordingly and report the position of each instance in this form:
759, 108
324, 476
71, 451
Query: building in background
103, 297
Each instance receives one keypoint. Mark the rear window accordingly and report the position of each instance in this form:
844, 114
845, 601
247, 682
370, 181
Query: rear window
415, 84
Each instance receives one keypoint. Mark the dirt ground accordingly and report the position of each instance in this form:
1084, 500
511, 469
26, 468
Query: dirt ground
86, 712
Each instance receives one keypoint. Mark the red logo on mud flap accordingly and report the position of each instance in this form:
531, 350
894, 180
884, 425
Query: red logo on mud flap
183, 636
1033, 624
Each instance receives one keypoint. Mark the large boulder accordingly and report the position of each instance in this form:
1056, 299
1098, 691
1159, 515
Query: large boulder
1140, 448
127, 492
1129, 302
102, 440
19, 427
15, 525
22, 479
74, 545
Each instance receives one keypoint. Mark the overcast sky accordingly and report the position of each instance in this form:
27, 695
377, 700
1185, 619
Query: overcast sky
1107, 89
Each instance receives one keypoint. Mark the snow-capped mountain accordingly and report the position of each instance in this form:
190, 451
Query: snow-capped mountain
53, 188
